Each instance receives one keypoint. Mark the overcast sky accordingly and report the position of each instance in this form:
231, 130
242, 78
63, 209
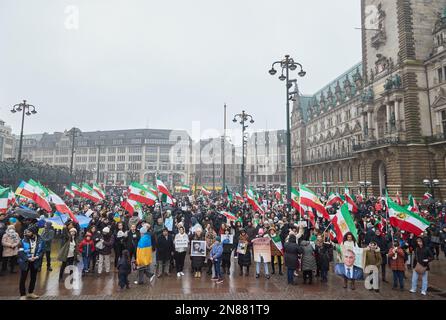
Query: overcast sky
164, 64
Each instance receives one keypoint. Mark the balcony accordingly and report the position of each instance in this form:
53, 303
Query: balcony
377, 144
440, 137
341, 156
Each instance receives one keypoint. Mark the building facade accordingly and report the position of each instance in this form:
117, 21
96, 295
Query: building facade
382, 121
6, 142
118, 157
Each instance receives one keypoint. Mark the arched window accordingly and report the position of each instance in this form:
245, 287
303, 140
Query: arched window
359, 173
350, 173
341, 178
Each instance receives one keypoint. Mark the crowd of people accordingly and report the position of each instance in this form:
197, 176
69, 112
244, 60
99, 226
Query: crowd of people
150, 246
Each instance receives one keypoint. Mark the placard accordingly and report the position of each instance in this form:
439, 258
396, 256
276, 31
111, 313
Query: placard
230, 237
181, 243
198, 248
242, 247
262, 249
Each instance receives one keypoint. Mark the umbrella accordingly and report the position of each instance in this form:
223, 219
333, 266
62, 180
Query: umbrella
27, 213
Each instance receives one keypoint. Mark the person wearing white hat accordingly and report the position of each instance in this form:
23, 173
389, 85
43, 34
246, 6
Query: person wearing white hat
105, 249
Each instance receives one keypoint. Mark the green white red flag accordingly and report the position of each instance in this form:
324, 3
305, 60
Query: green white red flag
139, 193
76, 190
40, 195
132, 206
151, 188
238, 197
90, 194
228, 194
406, 220
295, 202
165, 194
185, 189
205, 191
229, 216
252, 200
309, 199
69, 193
277, 241
413, 205
427, 196
334, 198
99, 190
344, 223
4, 196
25, 190
351, 201
60, 205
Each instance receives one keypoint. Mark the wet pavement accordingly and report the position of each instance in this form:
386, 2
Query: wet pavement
235, 287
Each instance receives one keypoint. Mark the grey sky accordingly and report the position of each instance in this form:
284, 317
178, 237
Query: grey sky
165, 64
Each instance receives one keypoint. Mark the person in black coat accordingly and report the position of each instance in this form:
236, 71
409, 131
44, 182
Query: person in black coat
164, 251
384, 249
292, 251
133, 237
422, 255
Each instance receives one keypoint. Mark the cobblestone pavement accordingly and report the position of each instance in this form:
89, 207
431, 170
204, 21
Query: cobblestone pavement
105, 287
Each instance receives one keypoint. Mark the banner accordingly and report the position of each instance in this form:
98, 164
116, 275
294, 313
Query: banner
198, 248
262, 249
168, 223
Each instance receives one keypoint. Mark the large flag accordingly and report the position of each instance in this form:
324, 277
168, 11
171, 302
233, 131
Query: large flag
165, 194
61, 206
350, 201
69, 193
40, 195
406, 220
132, 206
144, 251
309, 198
295, 202
25, 190
333, 198
413, 205
205, 191
185, 189
229, 215
4, 196
76, 190
238, 197
99, 190
90, 194
343, 223
252, 200
151, 188
140, 194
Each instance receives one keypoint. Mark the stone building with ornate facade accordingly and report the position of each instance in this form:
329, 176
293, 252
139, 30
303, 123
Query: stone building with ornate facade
384, 120
6, 142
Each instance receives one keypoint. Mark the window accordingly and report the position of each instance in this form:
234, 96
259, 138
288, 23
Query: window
120, 167
135, 141
135, 150
135, 158
134, 166
121, 158
112, 150
117, 141
121, 150
443, 120
92, 159
440, 74
151, 158
111, 167
341, 178
348, 115
164, 149
152, 149
111, 158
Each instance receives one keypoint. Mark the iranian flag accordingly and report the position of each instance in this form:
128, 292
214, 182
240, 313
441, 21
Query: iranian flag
185, 189
68, 193
398, 199
151, 188
277, 242
165, 194
229, 215
406, 220
90, 194
427, 196
238, 197
25, 190
139, 193
360, 197
99, 190
11, 198
309, 198
350, 201
4, 196
60, 205
76, 190
252, 200
343, 223
40, 195
413, 205
295, 202
205, 191
279, 195
333, 198
228, 194
132, 206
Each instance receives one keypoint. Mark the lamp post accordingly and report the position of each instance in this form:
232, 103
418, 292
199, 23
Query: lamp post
243, 117
26, 109
431, 184
288, 64
73, 134
365, 185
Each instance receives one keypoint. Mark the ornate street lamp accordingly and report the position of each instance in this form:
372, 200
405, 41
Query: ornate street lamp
243, 118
